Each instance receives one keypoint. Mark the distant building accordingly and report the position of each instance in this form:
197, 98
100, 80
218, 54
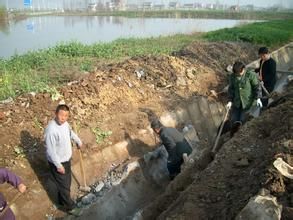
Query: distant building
159, 6
198, 5
92, 7
173, 5
234, 8
188, 5
132, 7
210, 6
110, 6
147, 5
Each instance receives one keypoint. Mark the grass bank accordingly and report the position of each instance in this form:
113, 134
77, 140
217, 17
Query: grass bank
3, 13
42, 70
217, 14
273, 33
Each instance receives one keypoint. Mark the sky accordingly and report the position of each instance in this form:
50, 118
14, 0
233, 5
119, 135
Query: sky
257, 3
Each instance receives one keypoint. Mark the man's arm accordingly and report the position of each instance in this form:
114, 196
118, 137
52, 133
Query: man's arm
74, 137
271, 73
12, 179
51, 142
231, 89
256, 87
258, 69
168, 141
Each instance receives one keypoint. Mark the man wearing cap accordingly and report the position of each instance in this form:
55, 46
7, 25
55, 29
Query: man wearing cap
266, 71
175, 144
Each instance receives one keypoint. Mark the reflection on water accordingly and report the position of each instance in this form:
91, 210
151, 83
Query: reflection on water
41, 32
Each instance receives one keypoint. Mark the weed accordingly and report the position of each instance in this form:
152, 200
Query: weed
101, 135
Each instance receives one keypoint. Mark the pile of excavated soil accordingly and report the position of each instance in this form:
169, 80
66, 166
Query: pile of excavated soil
241, 168
116, 97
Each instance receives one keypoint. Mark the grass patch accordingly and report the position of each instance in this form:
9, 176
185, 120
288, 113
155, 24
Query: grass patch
271, 33
101, 135
3, 12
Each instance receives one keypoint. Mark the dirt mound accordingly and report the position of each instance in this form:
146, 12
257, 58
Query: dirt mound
218, 55
110, 99
242, 167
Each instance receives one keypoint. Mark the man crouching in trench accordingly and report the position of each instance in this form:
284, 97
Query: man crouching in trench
175, 144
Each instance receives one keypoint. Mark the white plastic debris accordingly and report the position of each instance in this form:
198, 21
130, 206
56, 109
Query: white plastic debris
284, 168
100, 186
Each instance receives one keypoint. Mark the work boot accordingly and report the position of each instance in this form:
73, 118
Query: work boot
235, 127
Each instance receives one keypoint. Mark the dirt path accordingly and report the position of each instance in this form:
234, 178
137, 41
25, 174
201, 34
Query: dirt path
116, 98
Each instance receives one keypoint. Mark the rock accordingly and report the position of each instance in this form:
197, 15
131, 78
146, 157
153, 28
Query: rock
190, 73
180, 81
2, 115
100, 186
88, 199
7, 101
130, 85
33, 94
139, 74
261, 207
243, 162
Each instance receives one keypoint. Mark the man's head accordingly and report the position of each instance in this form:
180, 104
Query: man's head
263, 53
62, 114
156, 125
238, 68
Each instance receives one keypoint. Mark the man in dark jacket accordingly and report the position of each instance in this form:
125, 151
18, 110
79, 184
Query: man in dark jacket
267, 72
243, 91
175, 144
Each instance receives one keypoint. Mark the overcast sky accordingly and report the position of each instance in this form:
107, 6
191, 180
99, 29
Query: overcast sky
258, 3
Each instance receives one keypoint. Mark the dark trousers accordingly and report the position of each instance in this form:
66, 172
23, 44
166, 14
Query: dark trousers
60, 186
8, 215
174, 168
237, 114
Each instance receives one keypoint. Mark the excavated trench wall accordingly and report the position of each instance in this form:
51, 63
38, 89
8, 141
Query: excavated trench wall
141, 183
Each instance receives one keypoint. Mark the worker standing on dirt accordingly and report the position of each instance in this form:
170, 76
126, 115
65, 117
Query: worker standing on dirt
9, 177
175, 144
58, 136
244, 90
267, 72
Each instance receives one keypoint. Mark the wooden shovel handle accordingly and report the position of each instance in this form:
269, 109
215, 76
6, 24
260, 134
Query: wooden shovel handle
221, 128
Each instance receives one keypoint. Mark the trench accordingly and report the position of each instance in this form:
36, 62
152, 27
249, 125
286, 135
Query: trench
134, 184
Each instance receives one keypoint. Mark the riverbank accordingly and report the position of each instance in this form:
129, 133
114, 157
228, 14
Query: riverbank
44, 70
180, 13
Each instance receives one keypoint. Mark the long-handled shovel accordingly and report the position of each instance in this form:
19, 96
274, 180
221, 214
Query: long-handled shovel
220, 131
84, 188
9, 204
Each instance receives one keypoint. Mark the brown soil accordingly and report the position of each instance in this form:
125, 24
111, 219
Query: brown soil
241, 168
113, 98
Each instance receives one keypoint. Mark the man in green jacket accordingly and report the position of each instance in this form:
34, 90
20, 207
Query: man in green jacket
244, 90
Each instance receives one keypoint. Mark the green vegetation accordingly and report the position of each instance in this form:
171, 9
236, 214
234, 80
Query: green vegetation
45, 70
224, 14
271, 33
3, 12
101, 135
